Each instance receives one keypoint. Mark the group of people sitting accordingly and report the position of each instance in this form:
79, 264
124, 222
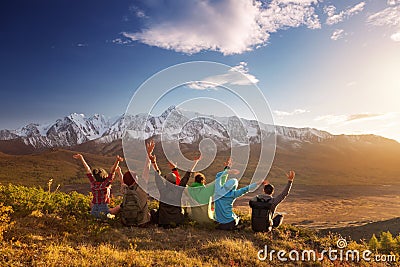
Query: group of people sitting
134, 210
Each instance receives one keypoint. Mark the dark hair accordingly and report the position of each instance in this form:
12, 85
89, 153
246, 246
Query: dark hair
129, 178
200, 178
268, 189
99, 174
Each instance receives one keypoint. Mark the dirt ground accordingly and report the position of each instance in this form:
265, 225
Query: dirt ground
322, 207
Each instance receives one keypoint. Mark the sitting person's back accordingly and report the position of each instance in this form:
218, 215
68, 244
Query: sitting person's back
134, 207
170, 212
170, 215
100, 184
274, 202
225, 195
200, 194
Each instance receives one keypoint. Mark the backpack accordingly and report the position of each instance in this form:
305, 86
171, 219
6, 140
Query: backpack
131, 212
261, 214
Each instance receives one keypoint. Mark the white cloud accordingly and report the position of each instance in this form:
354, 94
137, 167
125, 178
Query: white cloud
337, 34
393, 2
140, 14
248, 78
202, 85
334, 18
331, 119
121, 41
388, 17
351, 83
395, 37
81, 45
362, 116
237, 75
335, 119
386, 124
286, 113
226, 26
137, 11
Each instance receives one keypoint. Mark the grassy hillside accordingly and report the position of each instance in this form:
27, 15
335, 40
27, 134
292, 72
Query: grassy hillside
43, 228
57, 164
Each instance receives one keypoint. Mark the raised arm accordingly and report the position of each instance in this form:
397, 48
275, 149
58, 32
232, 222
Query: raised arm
146, 170
150, 148
244, 190
116, 163
196, 160
85, 165
278, 199
227, 170
175, 171
119, 173
186, 177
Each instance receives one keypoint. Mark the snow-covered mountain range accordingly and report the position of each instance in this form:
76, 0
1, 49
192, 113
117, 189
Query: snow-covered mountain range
173, 124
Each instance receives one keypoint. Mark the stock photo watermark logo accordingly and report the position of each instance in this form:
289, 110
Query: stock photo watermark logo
340, 253
208, 107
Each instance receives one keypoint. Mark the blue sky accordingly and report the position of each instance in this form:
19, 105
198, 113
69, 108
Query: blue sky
332, 65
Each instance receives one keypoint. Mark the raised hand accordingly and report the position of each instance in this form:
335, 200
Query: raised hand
150, 147
171, 165
152, 157
291, 175
120, 159
197, 157
85, 165
228, 162
77, 156
265, 182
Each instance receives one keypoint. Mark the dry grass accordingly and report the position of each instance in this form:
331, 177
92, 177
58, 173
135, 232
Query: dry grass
44, 235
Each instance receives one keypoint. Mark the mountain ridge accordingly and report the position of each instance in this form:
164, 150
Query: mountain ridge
76, 129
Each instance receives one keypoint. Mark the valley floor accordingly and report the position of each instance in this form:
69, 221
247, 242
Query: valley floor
321, 207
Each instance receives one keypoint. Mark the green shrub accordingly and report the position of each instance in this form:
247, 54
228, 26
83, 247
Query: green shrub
387, 242
25, 200
373, 243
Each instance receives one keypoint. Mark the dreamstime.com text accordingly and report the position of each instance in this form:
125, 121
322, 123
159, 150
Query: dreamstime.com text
333, 254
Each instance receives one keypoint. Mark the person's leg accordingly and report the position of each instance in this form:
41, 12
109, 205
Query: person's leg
227, 226
94, 210
154, 214
145, 225
277, 220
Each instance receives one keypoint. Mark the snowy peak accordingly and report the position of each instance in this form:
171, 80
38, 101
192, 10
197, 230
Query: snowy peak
71, 130
93, 127
168, 111
302, 134
174, 124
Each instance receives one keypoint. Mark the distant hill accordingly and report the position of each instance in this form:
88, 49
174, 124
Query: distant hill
36, 153
57, 164
340, 161
367, 230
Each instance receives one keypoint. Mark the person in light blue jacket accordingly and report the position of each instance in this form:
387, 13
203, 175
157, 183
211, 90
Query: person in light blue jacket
225, 194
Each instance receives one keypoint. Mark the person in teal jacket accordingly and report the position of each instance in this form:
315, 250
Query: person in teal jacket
226, 193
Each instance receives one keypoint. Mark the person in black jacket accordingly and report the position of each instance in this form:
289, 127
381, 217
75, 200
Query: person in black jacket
170, 213
275, 201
